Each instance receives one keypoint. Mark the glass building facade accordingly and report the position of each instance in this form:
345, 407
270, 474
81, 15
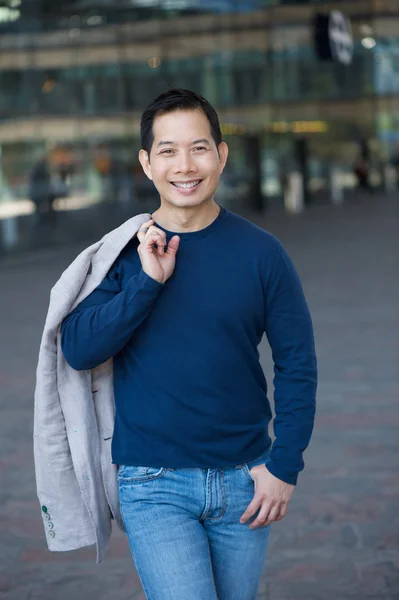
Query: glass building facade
75, 76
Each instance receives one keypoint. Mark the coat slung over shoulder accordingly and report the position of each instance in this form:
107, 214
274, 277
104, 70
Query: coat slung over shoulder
74, 415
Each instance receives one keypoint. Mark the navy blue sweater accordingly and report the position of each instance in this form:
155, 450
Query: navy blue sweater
189, 388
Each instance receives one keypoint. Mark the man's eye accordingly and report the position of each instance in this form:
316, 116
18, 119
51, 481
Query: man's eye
168, 151
200, 148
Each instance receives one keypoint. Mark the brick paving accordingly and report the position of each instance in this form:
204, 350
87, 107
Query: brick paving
340, 540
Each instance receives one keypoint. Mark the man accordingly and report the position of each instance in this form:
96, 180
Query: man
182, 312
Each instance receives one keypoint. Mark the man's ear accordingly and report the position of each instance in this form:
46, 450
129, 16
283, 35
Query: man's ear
145, 163
223, 150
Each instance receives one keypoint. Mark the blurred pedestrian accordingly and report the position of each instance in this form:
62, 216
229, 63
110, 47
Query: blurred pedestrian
361, 171
40, 187
181, 310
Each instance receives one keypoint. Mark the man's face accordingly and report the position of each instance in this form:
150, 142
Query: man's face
184, 161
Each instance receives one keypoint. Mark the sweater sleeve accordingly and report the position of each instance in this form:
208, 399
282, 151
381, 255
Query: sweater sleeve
100, 326
289, 331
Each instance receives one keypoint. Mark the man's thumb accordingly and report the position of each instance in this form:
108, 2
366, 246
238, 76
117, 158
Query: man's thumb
173, 245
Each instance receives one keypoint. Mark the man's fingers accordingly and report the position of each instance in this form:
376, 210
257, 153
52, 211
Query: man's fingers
143, 230
154, 236
147, 229
147, 224
282, 513
269, 514
148, 236
274, 514
252, 507
173, 245
267, 517
273, 495
262, 517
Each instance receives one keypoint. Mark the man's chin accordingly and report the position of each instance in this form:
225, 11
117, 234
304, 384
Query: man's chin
189, 202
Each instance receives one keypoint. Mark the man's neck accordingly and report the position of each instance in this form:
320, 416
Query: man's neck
186, 220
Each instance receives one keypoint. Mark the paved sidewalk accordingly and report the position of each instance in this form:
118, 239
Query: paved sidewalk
340, 540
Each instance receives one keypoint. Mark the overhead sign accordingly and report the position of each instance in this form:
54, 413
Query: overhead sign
333, 37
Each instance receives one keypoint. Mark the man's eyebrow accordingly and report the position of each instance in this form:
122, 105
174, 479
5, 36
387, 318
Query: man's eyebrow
201, 141
169, 143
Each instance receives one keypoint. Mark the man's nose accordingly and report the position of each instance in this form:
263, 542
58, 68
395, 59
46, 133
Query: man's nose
185, 163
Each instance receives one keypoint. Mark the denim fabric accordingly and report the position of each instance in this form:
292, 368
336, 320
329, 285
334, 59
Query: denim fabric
185, 534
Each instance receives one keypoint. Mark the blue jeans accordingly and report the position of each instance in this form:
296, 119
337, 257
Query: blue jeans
185, 534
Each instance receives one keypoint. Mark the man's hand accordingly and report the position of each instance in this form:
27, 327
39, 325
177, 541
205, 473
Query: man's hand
157, 263
271, 497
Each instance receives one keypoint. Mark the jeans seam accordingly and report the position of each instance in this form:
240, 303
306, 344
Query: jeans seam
146, 591
223, 511
208, 497
248, 473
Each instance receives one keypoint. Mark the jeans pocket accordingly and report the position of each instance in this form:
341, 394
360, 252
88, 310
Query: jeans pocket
261, 460
246, 471
132, 474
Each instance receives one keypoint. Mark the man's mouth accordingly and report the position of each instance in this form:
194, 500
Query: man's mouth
186, 185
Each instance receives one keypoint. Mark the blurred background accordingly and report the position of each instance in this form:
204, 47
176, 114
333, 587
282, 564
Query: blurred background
303, 88
308, 98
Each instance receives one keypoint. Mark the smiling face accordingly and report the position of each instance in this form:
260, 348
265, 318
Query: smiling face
184, 162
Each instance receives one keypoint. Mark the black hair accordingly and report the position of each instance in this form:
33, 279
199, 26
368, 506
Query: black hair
177, 99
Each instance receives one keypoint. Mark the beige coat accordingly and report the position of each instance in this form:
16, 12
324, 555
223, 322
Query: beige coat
74, 415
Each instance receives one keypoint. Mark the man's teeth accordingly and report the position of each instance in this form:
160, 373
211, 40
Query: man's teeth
187, 185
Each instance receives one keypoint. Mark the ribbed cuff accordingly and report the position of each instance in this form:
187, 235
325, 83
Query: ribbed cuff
290, 477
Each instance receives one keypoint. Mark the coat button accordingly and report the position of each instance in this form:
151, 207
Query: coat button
50, 525
51, 534
47, 517
44, 509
